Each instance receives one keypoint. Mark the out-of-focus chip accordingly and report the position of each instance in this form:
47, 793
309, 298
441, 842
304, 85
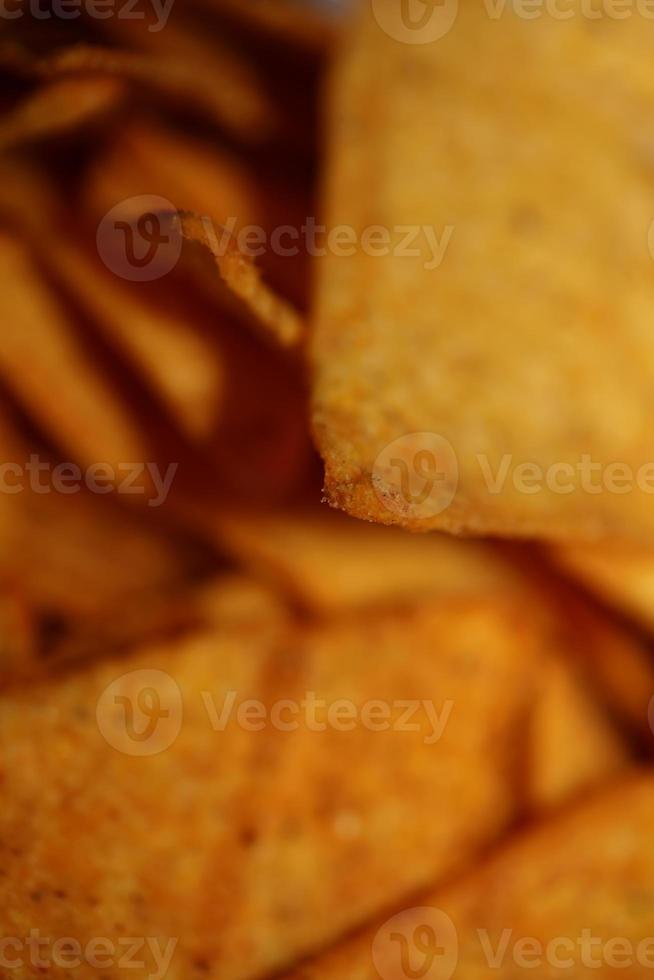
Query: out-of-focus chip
619, 573
58, 107
208, 78
483, 353
237, 760
267, 209
147, 158
148, 323
76, 555
571, 898
302, 24
573, 743
330, 563
45, 364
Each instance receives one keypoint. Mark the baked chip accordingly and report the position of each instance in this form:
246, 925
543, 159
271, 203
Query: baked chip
572, 898
200, 811
483, 353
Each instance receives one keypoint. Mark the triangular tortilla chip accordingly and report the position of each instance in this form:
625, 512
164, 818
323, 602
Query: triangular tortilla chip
483, 354
242, 840
571, 898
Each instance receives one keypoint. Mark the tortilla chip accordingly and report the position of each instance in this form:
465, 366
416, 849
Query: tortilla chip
619, 573
563, 892
503, 326
329, 564
48, 369
58, 107
382, 812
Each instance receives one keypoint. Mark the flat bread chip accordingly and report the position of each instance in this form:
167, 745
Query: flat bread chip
200, 815
571, 898
483, 353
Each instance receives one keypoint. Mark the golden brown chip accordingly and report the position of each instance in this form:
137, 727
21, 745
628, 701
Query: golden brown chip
332, 564
145, 158
253, 840
48, 368
619, 573
208, 78
573, 744
571, 898
267, 209
58, 107
70, 552
154, 331
483, 353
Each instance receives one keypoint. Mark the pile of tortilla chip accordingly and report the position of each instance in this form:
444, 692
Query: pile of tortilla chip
326, 491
